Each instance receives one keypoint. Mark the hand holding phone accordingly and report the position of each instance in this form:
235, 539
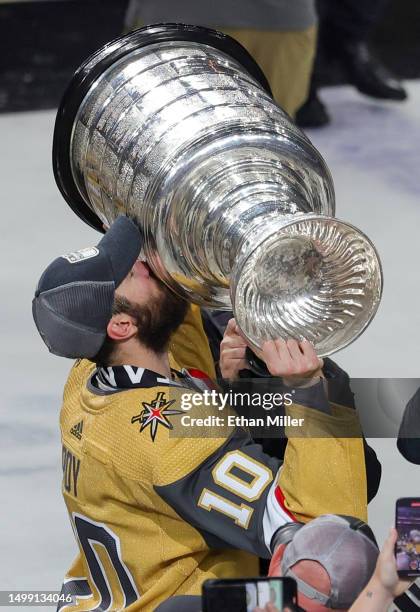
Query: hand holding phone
407, 547
385, 584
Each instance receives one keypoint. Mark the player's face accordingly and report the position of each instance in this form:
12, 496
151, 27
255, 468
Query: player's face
140, 286
155, 310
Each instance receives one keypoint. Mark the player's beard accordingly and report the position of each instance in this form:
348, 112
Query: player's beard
158, 319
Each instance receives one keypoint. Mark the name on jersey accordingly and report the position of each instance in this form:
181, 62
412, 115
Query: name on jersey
71, 468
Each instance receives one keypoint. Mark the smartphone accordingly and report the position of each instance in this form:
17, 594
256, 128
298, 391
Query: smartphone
244, 595
407, 548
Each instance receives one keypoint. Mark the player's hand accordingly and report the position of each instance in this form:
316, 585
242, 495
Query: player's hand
386, 568
232, 352
296, 362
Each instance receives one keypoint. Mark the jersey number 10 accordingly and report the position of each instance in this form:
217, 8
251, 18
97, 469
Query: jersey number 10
249, 490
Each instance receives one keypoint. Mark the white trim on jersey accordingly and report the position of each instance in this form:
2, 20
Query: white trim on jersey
274, 515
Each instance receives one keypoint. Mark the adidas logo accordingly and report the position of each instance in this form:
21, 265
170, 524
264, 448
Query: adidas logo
77, 430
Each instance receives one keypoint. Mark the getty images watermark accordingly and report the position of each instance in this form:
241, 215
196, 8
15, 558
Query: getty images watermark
34, 598
216, 400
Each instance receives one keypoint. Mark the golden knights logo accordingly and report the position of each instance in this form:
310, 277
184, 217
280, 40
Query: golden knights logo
156, 413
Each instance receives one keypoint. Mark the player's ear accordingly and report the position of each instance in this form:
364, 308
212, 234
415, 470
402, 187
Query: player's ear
121, 327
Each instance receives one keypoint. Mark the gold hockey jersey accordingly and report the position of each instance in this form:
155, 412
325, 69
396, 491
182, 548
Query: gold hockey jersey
189, 347
155, 512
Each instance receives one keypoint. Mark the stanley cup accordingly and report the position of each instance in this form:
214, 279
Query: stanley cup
175, 126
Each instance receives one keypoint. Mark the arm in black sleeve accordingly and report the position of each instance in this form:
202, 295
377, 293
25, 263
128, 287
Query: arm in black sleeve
373, 471
408, 442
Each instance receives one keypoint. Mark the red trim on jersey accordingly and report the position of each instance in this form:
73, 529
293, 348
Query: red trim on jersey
195, 373
282, 502
198, 373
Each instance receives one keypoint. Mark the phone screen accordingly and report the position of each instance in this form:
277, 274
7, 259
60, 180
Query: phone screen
248, 594
407, 548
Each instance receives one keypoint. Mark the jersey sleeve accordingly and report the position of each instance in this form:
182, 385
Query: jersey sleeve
232, 496
324, 472
235, 495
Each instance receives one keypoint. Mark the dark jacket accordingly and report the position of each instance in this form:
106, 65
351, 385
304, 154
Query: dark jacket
408, 442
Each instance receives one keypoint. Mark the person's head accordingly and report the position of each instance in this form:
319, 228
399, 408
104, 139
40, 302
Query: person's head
101, 303
332, 558
144, 312
415, 536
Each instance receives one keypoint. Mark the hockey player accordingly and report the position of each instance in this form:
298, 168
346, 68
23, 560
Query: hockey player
155, 510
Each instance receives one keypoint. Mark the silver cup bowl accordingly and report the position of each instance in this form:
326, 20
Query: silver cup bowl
175, 127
